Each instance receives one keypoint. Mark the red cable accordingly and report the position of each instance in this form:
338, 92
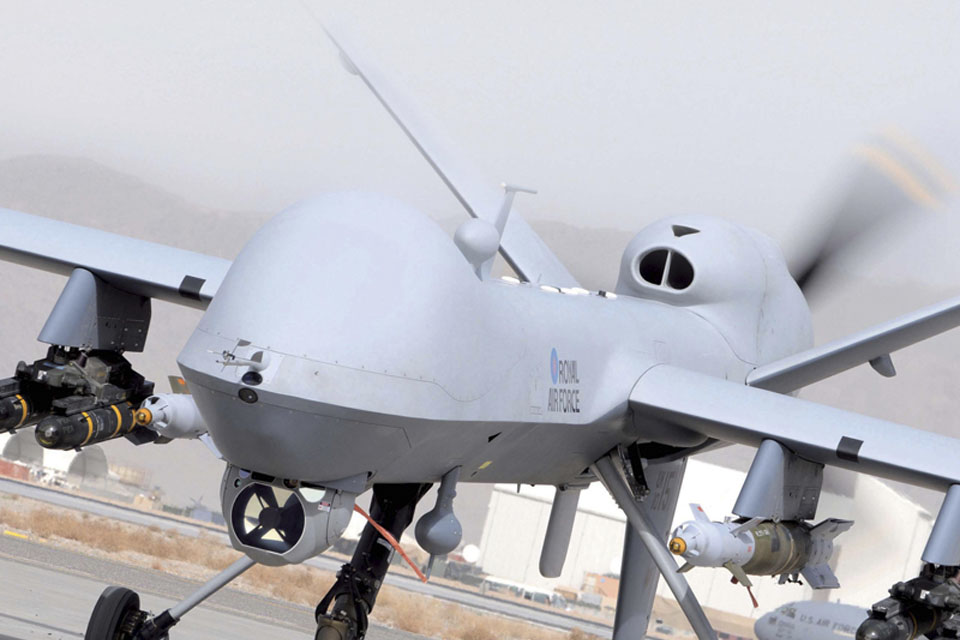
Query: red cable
393, 541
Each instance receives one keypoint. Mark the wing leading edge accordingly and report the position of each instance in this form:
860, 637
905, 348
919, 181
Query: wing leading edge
732, 412
813, 365
136, 266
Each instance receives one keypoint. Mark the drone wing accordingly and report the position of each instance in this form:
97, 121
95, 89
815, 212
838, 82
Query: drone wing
732, 412
135, 266
522, 248
872, 345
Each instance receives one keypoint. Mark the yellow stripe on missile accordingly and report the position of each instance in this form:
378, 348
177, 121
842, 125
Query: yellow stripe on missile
898, 174
485, 465
14, 534
89, 428
23, 409
119, 419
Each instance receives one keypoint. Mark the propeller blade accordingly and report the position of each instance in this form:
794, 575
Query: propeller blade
893, 176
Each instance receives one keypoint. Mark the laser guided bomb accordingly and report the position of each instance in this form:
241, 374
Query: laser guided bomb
760, 547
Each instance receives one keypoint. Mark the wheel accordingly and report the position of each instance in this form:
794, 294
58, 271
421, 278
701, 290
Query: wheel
116, 615
333, 629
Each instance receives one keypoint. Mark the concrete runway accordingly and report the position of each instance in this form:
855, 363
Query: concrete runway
46, 592
555, 619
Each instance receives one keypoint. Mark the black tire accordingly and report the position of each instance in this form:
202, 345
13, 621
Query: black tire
334, 629
115, 606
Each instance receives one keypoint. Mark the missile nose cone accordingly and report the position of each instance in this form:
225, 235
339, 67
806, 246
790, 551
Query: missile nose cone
678, 546
877, 630
49, 434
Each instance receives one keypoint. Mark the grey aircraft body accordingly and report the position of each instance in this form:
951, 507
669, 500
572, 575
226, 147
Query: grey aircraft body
352, 345
811, 621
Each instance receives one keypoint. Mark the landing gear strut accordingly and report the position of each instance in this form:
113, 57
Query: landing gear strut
342, 613
117, 614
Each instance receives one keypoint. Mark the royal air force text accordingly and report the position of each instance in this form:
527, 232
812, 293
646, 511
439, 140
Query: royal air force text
564, 399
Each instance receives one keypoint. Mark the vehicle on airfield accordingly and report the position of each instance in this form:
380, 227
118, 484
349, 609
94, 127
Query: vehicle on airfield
315, 381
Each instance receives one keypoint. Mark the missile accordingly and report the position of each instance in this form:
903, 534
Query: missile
85, 428
15, 411
760, 547
915, 623
22, 409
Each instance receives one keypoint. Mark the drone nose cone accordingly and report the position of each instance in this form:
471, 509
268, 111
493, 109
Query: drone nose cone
678, 546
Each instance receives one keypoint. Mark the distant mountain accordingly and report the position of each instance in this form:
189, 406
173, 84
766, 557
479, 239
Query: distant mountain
85, 192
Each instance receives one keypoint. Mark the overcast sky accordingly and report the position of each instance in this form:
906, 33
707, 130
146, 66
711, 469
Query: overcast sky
618, 112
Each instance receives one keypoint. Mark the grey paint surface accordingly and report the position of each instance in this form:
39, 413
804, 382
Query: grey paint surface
828, 360
737, 413
810, 621
60, 247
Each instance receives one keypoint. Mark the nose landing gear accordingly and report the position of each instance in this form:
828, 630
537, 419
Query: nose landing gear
117, 614
342, 613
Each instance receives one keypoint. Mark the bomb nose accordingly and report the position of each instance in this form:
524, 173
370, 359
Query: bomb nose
678, 546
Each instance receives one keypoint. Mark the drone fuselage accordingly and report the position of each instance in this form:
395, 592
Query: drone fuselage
367, 345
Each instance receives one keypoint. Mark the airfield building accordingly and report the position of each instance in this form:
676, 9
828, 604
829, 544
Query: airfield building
883, 547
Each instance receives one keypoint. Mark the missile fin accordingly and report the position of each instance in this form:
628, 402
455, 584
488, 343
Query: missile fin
820, 576
686, 567
738, 573
746, 526
831, 528
698, 513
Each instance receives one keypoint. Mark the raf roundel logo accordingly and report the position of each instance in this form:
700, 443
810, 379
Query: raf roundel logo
554, 366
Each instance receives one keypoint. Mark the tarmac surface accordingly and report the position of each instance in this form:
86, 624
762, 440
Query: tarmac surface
46, 592
553, 619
